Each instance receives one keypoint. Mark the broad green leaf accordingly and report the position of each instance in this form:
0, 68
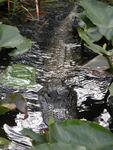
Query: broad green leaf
73, 135
89, 43
107, 32
21, 48
94, 34
86, 20
84, 133
18, 76
101, 15
11, 38
58, 146
91, 30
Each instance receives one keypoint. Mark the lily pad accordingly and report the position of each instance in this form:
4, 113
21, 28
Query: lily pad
11, 38
18, 76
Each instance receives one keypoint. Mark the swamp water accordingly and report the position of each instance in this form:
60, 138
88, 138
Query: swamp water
55, 54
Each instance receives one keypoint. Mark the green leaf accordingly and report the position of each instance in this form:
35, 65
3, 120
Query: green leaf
21, 48
107, 32
84, 133
18, 76
73, 135
89, 43
101, 15
11, 38
86, 20
58, 146
91, 30
94, 34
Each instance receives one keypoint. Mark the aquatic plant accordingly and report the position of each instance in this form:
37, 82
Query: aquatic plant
18, 76
96, 23
71, 135
10, 38
96, 28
